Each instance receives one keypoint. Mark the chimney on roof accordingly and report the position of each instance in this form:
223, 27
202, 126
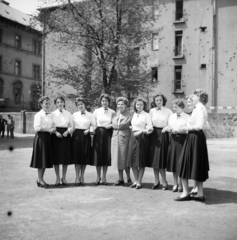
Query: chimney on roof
5, 2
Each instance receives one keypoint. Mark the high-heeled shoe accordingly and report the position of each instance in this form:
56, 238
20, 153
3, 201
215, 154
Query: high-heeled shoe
63, 183
42, 185
175, 188
199, 199
133, 185
180, 199
98, 182
138, 186
165, 187
77, 184
104, 183
119, 183
155, 186
57, 184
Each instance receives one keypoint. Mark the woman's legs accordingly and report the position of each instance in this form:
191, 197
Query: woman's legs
64, 173
200, 189
56, 168
195, 187
77, 170
41, 175
185, 187
120, 172
156, 174
105, 168
127, 170
163, 176
83, 168
135, 173
140, 175
175, 176
98, 170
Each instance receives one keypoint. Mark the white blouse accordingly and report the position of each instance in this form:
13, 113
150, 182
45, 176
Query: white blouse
62, 119
160, 117
141, 121
83, 121
198, 119
42, 120
177, 121
103, 117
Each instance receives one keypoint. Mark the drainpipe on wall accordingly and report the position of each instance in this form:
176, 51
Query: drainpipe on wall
43, 60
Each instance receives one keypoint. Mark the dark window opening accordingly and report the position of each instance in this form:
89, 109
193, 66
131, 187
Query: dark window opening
36, 72
179, 10
178, 78
17, 68
18, 41
178, 51
203, 29
36, 47
203, 66
154, 74
17, 91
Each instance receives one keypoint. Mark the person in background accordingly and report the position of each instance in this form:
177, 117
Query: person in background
101, 151
176, 121
120, 139
9, 121
193, 162
159, 140
12, 127
61, 140
42, 154
83, 125
3, 122
139, 141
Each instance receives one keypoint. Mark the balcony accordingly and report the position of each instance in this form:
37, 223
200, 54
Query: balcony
4, 102
178, 53
178, 87
179, 16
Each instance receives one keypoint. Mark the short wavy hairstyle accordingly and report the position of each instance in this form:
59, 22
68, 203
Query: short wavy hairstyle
60, 98
179, 103
189, 97
139, 99
202, 94
122, 99
42, 99
162, 96
106, 96
80, 99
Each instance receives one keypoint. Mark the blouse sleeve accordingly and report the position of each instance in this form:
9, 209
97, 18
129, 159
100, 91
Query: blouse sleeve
37, 122
200, 120
149, 126
70, 124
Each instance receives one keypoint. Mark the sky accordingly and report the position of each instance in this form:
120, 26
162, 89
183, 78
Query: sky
26, 6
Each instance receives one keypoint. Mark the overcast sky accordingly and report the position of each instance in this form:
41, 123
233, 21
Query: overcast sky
26, 6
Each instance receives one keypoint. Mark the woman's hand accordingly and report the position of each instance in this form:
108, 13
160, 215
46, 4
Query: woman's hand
145, 131
183, 129
58, 135
86, 131
108, 126
65, 134
137, 133
71, 131
52, 130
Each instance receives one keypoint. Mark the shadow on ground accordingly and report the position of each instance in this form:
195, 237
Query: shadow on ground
16, 143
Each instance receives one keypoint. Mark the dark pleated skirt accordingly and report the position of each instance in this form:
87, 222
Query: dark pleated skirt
138, 150
159, 144
61, 148
81, 147
174, 151
101, 151
42, 155
193, 162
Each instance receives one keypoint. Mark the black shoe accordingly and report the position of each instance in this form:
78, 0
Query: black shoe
133, 185
199, 199
165, 187
138, 186
82, 184
42, 185
57, 184
119, 183
77, 184
63, 183
155, 186
180, 189
129, 181
97, 183
175, 188
193, 193
186, 198
104, 183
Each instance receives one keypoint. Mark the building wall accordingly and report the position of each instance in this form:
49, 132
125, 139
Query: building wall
9, 54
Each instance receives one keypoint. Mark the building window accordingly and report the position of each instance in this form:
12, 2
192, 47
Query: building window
155, 41
36, 72
18, 41
18, 68
178, 78
203, 29
36, 47
1, 88
17, 91
154, 75
179, 10
178, 51
35, 91
203, 66
0, 35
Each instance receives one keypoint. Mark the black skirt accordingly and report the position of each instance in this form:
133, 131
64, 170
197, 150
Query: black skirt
61, 148
193, 162
81, 147
42, 155
175, 148
138, 150
101, 151
159, 144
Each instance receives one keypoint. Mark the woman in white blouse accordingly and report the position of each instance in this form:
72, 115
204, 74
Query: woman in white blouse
61, 140
139, 141
159, 140
176, 121
83, 124
101, 153
42, 155
193, 162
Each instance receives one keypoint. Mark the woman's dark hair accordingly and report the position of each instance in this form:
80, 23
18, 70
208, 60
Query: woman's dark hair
60, 98
80, 99
41, 100
163, 98
179, 103
139, 100
106, 96
203, 96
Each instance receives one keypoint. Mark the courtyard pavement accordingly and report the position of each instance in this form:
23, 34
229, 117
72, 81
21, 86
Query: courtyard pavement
108, 212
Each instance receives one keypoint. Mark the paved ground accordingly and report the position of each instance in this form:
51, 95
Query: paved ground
107, 212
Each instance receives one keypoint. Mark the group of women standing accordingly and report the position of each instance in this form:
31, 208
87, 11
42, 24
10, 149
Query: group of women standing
160, 139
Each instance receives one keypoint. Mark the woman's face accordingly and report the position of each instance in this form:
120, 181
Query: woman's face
190, 103
104, 103
121, 106
177, 109
159, 101
60, 104
81, 106
45, 105
139, 106
195, 99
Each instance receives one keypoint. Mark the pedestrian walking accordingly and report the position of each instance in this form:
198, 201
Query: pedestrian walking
3, 123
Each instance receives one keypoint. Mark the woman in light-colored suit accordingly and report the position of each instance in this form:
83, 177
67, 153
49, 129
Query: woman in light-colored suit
121, 123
